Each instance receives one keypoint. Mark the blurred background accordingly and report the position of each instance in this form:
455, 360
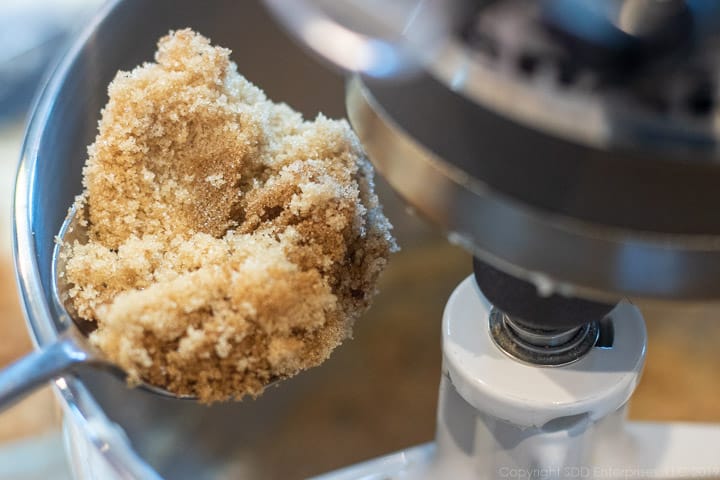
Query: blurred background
32, 34
680, 381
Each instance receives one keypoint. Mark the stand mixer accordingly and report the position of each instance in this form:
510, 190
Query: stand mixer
570, 145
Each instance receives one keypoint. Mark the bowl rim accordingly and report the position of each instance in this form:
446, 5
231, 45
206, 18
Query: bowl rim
107, 437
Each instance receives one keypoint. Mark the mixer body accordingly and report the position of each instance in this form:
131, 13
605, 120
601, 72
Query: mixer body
569, 143
571, 147
500, 418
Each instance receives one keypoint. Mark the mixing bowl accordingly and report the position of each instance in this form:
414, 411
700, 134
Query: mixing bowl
375, 395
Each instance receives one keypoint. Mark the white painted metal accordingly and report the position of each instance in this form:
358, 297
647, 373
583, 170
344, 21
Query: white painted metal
499, 418
528, 395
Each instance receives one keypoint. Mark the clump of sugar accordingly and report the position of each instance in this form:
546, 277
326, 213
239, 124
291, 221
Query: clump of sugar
231, 243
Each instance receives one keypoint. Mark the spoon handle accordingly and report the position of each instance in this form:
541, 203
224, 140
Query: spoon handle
36, 368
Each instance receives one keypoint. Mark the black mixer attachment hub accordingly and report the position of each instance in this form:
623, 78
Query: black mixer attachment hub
549, 330
522, 301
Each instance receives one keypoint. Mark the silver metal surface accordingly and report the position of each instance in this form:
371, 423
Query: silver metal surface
541, 348
428, 35
564, 98
374, 38
557, 253
345, 422
569, 180
541, 338
637, 19
37, 368
72, 348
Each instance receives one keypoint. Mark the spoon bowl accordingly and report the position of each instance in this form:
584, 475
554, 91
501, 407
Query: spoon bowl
72, 349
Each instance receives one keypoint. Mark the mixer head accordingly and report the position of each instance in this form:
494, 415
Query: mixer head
572, 144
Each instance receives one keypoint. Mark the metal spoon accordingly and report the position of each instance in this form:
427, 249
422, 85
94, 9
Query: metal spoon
72, 348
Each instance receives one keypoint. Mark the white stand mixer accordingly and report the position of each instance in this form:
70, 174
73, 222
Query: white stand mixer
531, 131
501, 418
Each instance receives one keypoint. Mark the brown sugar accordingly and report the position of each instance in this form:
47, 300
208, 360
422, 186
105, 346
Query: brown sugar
231, 243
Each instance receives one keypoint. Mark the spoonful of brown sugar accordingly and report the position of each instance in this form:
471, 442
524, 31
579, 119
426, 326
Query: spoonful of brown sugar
222, 242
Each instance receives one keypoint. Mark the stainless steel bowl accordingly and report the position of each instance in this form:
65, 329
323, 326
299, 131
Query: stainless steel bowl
375, 395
